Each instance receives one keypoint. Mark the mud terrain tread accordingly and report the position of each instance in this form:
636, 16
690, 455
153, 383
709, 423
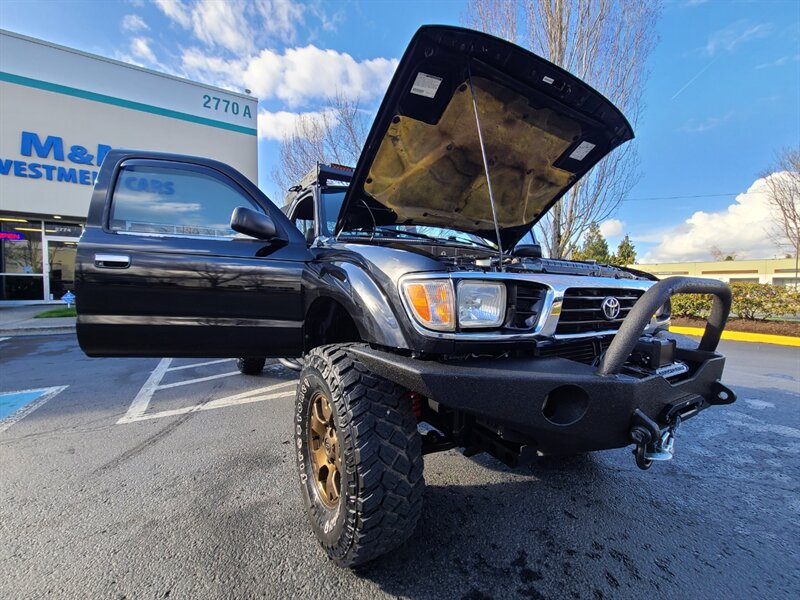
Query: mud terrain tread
381, 433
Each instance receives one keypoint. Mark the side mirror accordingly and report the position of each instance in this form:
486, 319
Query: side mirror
528, 251
253, 223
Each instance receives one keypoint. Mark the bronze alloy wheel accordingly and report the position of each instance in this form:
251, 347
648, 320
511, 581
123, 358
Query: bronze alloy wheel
359, 456
323, 443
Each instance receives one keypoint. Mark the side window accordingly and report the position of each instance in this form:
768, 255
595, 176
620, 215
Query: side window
303, 217
174, 201
332, 199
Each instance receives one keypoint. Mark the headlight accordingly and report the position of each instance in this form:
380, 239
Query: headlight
432, 303
481, 304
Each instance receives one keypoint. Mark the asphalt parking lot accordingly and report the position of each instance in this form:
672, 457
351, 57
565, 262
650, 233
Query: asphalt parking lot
148, 478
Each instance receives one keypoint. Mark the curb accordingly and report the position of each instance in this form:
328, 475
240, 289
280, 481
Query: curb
743, 336
37, 331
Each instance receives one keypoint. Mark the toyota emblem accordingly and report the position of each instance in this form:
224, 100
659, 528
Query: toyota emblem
610, 308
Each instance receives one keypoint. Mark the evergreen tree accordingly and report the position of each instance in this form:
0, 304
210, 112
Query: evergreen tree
595, 246
626, 253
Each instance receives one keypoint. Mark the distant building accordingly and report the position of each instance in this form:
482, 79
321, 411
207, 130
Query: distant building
778, 271
61, 111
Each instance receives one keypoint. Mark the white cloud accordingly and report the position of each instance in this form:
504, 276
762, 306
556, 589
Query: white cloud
238, 25
328, 19
310, 72
223, 24
134, 23
281, 17
741, 229
140, 48
611, 228
221, 72
294, 76
281, 124
707, 124
780, 62
728, 38
175, 10
234, 49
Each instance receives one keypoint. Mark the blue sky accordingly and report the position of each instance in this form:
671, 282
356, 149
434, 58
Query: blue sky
722, 98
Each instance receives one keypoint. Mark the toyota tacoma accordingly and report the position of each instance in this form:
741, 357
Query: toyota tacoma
410, 291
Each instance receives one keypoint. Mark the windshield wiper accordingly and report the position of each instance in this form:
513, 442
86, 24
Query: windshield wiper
400, 233
393, 232
477, 243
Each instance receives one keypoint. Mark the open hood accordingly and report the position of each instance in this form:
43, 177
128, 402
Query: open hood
422, 162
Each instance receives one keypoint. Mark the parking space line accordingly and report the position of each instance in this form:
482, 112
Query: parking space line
202, 364
142, 400
26, 407
198, 380
137, 411
249, 396
258, 395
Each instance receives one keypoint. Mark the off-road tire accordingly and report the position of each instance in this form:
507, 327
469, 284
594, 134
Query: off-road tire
380, 452
250, 365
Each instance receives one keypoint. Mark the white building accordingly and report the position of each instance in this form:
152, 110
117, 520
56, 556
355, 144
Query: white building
61, 111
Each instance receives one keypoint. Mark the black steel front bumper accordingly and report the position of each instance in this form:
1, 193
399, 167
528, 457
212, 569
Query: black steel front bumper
559, 405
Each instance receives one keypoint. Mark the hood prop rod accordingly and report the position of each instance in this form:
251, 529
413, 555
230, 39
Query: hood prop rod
486, 170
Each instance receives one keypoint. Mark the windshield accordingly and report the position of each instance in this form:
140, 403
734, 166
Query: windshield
527, 240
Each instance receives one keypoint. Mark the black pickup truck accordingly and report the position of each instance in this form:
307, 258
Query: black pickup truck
410, 290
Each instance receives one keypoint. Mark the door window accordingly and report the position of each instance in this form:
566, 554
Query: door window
174, 201
303, 217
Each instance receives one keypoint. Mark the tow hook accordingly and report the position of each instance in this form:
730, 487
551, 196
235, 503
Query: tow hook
652, 444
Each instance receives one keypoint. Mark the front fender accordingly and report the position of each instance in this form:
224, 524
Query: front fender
359, 294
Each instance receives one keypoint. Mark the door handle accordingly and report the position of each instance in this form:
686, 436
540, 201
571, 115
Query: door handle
112, 261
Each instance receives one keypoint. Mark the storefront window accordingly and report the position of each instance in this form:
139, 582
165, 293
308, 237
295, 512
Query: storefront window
61, 256
21, 247
21, 275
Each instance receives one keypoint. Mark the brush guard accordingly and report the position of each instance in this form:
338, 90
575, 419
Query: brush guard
653, 443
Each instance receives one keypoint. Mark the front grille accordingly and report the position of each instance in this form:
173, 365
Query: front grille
585, 351
525, 305
581, 311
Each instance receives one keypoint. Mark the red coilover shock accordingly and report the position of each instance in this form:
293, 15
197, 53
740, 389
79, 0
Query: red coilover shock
416, 403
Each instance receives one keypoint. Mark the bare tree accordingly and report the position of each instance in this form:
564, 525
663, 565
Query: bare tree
606, 44
783, 191
722, 255
336, 135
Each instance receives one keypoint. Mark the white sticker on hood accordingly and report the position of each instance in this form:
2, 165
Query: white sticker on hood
426, 85
582, 150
